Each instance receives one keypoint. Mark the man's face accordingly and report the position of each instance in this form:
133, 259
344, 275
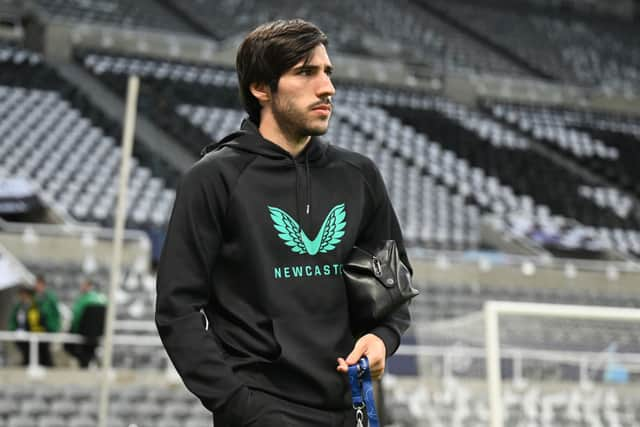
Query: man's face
302, 106
39, 286
24, 297
85, 287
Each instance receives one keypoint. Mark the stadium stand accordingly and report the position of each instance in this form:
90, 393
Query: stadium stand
205, 115
174, 84
586, 51
398, 30
604, 143
473, 175
121, 13
134, 302
44, 113
458, 404
449, 301
76, 405
520, 177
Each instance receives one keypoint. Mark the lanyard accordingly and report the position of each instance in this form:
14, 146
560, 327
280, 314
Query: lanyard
362, 392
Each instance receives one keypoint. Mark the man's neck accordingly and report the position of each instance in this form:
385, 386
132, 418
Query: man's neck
270, 130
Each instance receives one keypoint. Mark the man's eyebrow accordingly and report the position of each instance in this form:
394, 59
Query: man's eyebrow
328, 68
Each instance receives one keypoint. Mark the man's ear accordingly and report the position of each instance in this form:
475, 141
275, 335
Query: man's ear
261, 91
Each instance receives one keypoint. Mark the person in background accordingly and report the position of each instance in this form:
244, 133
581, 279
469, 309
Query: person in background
25, 316
88, 320
47, 302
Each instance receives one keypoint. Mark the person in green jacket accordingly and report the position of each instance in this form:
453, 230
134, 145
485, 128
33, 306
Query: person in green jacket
26, 316
47, 302
88, 320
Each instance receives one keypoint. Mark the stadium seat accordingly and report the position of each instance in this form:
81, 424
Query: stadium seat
121, 409
63, 408
50, 421
34, 408
21, 421
197, 422
8, 408
168, 422
79, 421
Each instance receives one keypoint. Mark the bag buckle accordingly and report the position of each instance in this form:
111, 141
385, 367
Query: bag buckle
377, 267
360, 417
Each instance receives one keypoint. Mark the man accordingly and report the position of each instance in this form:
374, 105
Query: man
251, 303
25, 316
47, 303
88, 319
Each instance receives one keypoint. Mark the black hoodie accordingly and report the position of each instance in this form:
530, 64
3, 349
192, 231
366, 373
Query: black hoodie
250, 291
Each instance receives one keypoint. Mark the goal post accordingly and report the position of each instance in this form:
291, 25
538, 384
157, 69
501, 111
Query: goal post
493, 310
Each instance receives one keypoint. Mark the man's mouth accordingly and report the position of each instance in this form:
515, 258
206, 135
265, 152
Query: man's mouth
326, 108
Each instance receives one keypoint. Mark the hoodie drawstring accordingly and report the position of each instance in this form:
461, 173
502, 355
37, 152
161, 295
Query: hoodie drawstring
303, 219
295, 167
306, 165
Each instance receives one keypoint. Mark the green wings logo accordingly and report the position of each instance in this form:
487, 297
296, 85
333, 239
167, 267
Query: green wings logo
326, 240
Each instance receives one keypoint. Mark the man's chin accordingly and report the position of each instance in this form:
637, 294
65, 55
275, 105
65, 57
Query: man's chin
319, 129
318, 132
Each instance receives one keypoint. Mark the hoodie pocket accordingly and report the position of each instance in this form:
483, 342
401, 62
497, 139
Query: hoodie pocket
310, 345
251, 408
243, 346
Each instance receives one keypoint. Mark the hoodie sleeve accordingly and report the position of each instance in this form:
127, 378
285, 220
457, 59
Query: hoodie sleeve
184, 285
383, 225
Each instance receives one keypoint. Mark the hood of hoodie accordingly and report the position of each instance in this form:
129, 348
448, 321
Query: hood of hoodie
249, 139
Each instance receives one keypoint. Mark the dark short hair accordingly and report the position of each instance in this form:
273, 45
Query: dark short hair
269, 51
23, 288
91, 282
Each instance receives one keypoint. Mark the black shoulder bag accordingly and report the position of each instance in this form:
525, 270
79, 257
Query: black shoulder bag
377, 284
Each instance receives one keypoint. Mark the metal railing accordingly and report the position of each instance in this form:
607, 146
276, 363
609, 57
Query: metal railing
35, 370
449, 354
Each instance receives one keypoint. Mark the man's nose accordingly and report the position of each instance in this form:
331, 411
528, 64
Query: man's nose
326, 87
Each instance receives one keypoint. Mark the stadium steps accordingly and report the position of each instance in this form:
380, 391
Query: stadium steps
33, 243
198, 23
10, 25
481, 38
576, 169
146, 132
567, 163
504, 242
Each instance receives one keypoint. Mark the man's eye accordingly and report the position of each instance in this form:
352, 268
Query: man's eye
305, 72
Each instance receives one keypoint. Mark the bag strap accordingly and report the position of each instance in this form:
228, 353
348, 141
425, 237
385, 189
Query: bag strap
362, 392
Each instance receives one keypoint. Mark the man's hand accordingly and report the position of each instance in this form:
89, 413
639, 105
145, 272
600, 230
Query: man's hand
371, 346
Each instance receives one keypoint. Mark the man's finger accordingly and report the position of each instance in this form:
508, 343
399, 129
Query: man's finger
356, 354
342, 365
